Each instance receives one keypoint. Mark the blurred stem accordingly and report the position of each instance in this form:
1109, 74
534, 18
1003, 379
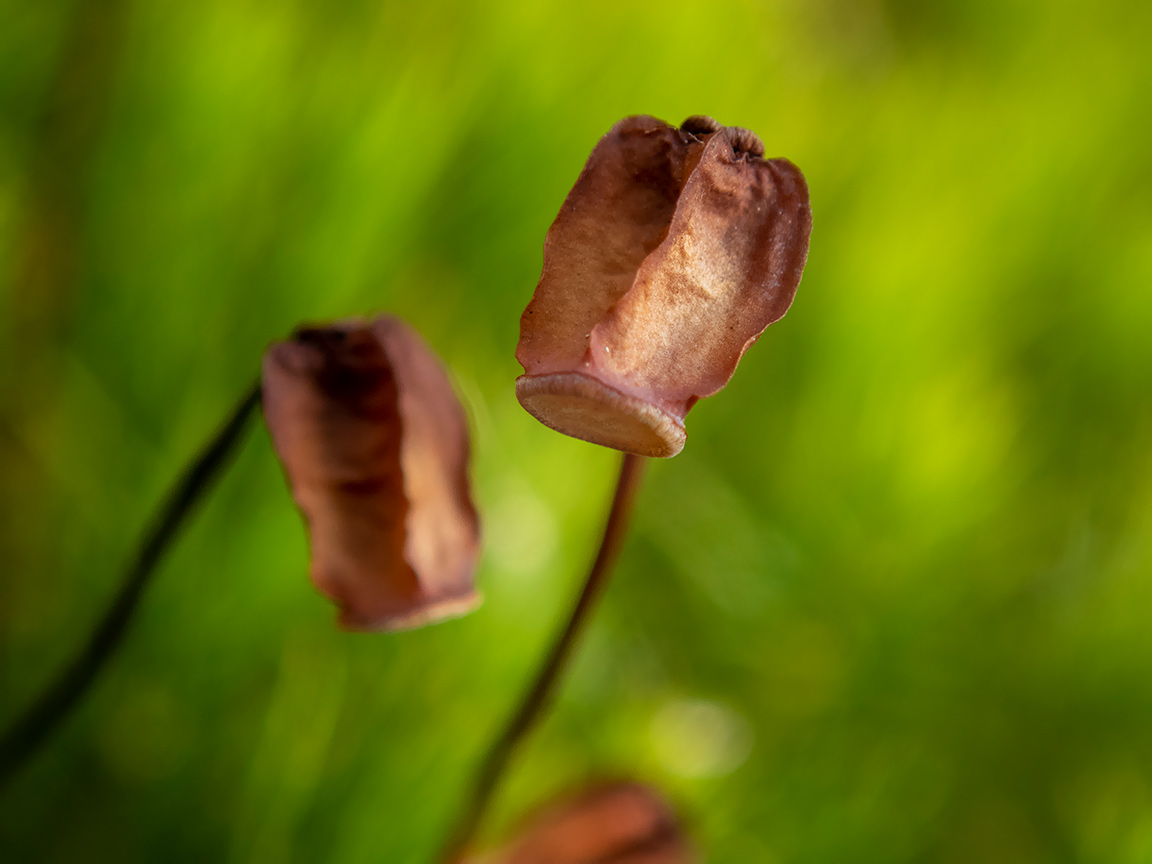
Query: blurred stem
31, 729
536, 699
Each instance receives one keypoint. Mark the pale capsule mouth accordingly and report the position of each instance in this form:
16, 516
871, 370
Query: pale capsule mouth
584, 407
431, 611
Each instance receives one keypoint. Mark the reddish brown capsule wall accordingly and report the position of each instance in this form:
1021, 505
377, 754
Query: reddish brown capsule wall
625, 823
673, 252
375, 447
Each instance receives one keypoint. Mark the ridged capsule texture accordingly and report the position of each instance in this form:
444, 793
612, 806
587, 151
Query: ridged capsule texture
673, 252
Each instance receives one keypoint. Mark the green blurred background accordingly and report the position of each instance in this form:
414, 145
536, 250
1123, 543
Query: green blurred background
893, 602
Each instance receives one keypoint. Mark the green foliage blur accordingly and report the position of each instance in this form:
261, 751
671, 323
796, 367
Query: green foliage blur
893, 603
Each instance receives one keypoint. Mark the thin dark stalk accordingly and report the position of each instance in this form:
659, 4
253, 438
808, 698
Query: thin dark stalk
30, 730
535, 700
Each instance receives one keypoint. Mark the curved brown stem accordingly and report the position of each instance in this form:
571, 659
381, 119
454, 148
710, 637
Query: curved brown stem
31, 729
535, 700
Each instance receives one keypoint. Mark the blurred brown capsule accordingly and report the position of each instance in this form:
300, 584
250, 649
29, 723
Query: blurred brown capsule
625, 823
673, 252
375, 446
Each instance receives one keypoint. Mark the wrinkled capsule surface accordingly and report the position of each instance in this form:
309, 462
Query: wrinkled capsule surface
673, 252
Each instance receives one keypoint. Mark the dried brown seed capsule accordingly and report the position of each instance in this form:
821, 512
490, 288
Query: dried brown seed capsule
375, 446
673, 252
625, 823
